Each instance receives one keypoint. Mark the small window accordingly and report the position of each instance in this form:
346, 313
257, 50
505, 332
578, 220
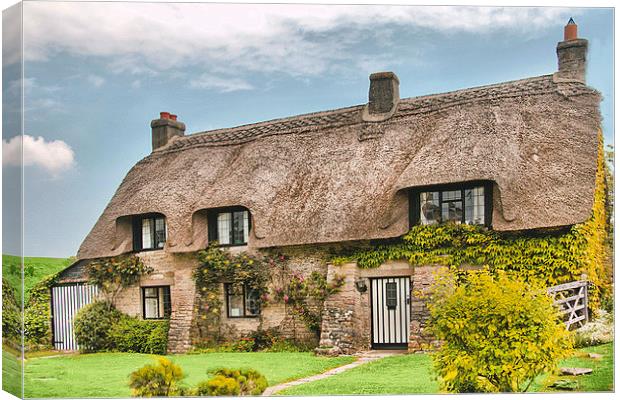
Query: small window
465, 204
149, 232
156, 302
230, 227
242, 301
391, 295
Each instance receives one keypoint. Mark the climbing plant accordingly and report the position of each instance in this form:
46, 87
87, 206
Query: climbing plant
269, 275
550, 258
115, 274
216, 266
305, 296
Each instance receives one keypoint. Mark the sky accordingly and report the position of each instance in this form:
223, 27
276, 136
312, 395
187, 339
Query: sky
96, 74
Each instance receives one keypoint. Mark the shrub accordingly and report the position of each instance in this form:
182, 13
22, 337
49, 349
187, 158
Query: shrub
11, 313
218, 386
93, 325
233, 382
498, 332
156, 380
133, 335
37, 315
599, 331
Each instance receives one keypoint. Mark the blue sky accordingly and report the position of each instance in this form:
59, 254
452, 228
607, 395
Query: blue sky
96, 74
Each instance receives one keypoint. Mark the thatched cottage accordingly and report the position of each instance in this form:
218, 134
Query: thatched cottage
515, 156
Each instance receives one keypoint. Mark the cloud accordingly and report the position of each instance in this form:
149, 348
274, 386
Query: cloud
53, 156
95, 80
299, 40
224, 85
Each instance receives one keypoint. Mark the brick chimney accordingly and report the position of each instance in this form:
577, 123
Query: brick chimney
164, 128
572, 55
383, 96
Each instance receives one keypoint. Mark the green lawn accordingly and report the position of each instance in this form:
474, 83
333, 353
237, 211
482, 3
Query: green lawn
411, 374
601, 379
11, 372
392, 375
36, 268
106, 374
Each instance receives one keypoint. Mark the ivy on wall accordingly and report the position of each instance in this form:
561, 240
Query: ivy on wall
269, 275
552, 258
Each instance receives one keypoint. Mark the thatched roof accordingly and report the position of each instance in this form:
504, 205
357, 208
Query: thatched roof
332, 177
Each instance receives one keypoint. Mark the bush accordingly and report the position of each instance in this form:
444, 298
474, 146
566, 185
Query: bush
11, 313
37, 315
233, 382
133, 335
93, 325
218, 386
156, 380
598, 331
498, 332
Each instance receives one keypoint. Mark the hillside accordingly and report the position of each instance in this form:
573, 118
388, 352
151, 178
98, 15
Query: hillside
35, 269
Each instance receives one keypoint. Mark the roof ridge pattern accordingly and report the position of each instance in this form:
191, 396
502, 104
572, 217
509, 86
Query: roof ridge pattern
351, 115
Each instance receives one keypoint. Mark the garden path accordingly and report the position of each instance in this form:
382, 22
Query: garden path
363, 358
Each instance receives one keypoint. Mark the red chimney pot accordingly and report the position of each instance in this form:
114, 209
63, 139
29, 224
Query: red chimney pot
570, 30
173, 117
164, 115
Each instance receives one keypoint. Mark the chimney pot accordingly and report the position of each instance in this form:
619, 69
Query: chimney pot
173, 117
570, 30
164, 115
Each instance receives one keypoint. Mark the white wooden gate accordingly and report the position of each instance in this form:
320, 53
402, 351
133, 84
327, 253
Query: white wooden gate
572, 300
66, 301
391, 312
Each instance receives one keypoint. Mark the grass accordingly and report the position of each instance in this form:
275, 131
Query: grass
35, 269
106, 374
404, 374
411, 374
601, 379
11, 372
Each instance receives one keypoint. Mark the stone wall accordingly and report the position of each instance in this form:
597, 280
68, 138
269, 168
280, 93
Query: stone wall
346, 315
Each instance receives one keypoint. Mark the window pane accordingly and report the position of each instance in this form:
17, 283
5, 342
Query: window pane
223, 228
235, 300
246, 226
147, 242
150, 292
239, 227
452, 211
390, 294
474, 206
429, 208
166, 302
150, 308
451, 195
160, 232
252, 302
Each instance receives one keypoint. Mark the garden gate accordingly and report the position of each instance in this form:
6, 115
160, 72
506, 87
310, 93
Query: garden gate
66, 301
391, 312
572, 299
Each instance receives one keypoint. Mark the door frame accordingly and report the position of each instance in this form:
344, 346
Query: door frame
407, 303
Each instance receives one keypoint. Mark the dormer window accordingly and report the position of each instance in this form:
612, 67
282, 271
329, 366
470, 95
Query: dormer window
468, 203
149, 232
229, 226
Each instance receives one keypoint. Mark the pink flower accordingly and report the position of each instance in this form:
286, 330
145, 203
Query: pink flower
285, 298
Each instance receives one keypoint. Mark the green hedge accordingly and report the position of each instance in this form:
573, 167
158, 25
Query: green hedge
11, 315
38, 315
133, 335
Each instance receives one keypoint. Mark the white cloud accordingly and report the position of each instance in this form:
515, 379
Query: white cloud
53, 156
221, 84
295, 39
95, 80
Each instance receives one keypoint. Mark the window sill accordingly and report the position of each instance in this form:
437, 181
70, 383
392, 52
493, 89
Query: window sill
243, 317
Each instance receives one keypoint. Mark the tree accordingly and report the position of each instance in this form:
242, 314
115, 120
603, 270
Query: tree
498, 332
